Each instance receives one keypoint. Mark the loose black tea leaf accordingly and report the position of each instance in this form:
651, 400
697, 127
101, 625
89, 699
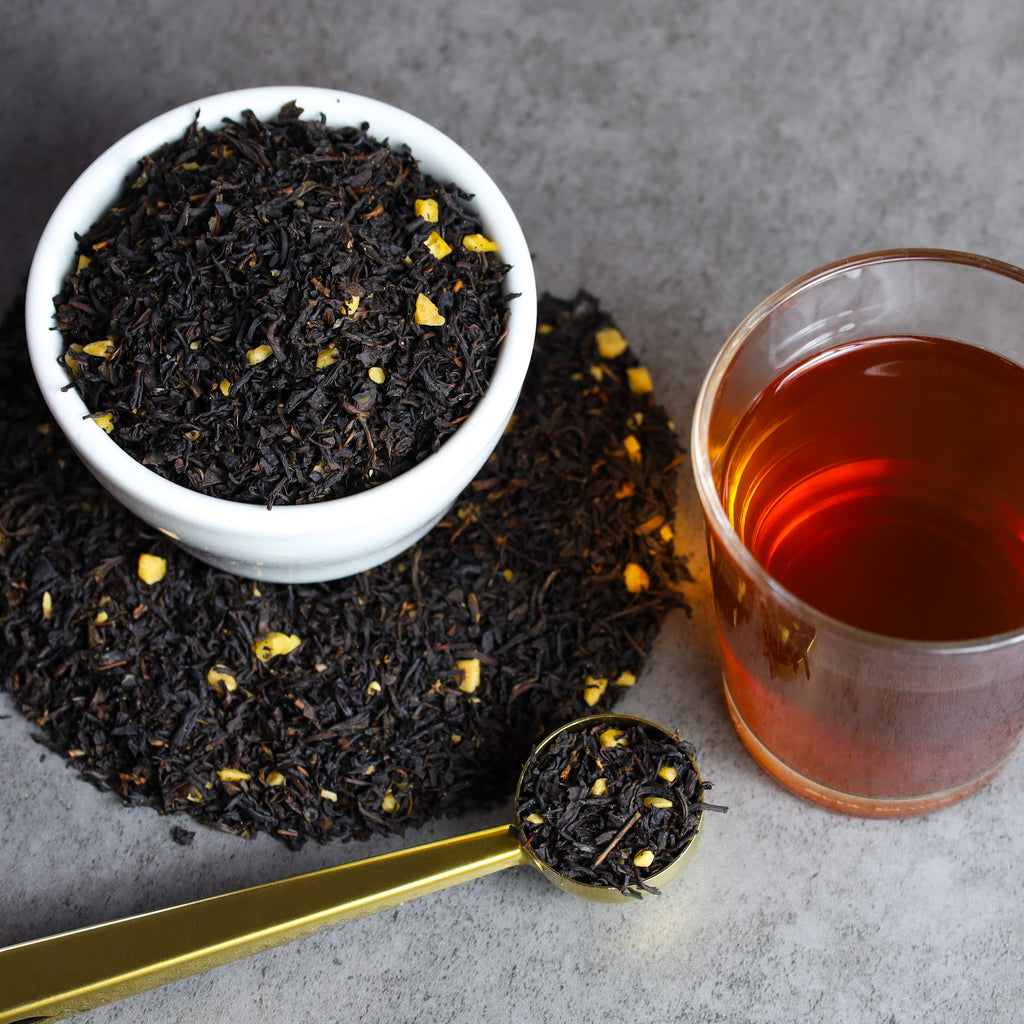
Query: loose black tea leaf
362, 706
611, 806
281, 312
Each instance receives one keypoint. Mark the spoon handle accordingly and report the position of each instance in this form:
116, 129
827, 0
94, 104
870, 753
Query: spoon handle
69, 973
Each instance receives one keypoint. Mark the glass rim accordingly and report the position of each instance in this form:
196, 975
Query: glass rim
707, 492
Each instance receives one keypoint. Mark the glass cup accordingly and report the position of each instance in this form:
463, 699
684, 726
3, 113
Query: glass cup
859, 683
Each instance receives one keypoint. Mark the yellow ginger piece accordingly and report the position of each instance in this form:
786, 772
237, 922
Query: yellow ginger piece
469, 669
479, 243
104, 348
275, 778
612, 737
438, 247
610, 342
639, 380
233, 775
593, 690
426, 312
258, 354
152, 568
657, 801
636, 578
274, 645
219, 675
327, 357
426, 209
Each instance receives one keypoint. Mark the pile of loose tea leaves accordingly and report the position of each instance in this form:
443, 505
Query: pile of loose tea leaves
282, 312
611, 805
365, 705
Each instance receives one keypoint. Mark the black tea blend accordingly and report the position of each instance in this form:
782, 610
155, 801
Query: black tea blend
611, 806
338, 710
282, 312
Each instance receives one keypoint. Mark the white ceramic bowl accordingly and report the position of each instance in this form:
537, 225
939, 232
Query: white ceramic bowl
298, 543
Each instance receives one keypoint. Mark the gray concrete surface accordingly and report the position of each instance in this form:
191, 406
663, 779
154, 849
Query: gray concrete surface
680, 159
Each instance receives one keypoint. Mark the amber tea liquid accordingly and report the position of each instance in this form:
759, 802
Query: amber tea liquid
882, 482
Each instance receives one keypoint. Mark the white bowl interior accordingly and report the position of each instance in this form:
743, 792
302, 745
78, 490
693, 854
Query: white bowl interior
347, 533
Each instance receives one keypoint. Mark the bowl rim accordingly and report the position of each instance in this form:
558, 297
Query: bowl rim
97, 186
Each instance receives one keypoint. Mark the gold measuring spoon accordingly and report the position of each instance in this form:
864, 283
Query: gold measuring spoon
75, 971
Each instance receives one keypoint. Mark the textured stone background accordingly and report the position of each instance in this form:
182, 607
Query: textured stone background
680, 159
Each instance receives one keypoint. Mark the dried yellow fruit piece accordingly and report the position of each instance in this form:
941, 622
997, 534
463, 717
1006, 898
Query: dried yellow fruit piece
389, 803
426, 209
470, 671
534, 819
657, 801
352, 305
105, 421
438, 247
275, 778
600, 787
376, 374
47, 605
233, 775
632, 446
426, 312
83, 262
329, 794
152, 568
667, 772
625, 490
258, 354
593, 690
220, 675
275, 644
373, 687
612, 737
225, 386
610, 342
104, 348
639, 380
644, 859
636, 578
626, 679
327, 357
479, 243
666, 533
